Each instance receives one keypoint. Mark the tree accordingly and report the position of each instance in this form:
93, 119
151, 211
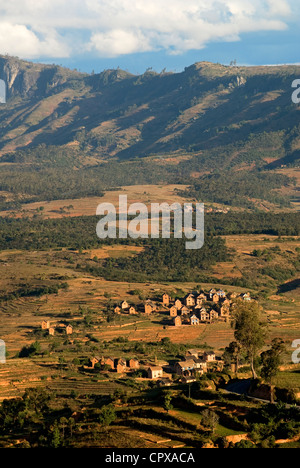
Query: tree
210, 419
55, 441
271, 361
168, 402
107, 415
31, 350
232, 354
244, 444
71, 425
249, 331
37, 400
63, 422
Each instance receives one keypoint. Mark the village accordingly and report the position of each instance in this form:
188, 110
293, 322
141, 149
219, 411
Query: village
194, 365
192, 310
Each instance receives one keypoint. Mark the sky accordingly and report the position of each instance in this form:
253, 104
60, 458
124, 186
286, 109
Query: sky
93, 35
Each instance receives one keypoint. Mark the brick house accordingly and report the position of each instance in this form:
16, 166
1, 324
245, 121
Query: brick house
190, 366
215, 298
185, 310
190, 301
173, 311
120, 366
94, 360
133, 364
117, 310
148, 309
213, 315
52, 331
109, 362
204, 315
201, 296
224, 311
178, 304
45, 325
132, 311
177, 322
211, 293
166, 299
232, 295
199, 301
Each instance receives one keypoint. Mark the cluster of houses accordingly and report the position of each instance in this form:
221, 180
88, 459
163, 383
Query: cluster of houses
147, 308
61, 328
205, 307
194, 364
193, 309
119, 365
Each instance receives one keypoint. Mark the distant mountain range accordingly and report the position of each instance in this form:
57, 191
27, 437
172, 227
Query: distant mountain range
226, 131
117, 114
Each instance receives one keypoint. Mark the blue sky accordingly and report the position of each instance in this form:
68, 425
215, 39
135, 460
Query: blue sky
139, 34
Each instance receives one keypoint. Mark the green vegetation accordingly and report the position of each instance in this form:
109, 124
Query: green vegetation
239, 188
159, 262
80, 232
249, 331
45, 420
34, 291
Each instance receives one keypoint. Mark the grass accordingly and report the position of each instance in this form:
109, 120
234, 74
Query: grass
290, 445
223, 431
288, 379
187, 416
196, 419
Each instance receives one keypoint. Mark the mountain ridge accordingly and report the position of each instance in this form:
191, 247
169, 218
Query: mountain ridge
230, 133
118, 114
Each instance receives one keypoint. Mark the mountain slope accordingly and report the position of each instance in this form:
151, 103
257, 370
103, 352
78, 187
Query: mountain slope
230, 133
119, 114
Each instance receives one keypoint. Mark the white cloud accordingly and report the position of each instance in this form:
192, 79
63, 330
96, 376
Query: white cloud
17, 39
119, 42
117, 27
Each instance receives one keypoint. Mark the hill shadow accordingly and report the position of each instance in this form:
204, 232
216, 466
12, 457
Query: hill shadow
289, 286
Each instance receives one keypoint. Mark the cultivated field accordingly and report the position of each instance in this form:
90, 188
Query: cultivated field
146, 194
85, 301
